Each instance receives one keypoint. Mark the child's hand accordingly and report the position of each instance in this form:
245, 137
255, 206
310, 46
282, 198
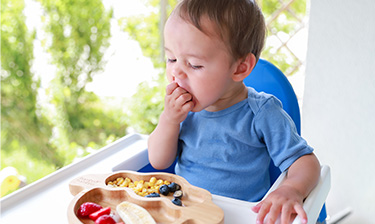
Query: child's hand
178, 103
285, 200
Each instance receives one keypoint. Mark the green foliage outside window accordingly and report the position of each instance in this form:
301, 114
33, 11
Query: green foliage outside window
23, 127
40, 137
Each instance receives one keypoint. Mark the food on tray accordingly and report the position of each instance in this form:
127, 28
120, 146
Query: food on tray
105, 219
151, 188
178, 194
144, 188
87, 208
153, 195
177, 201
97, 214
164, 189
194, 206
174, 187
132, 213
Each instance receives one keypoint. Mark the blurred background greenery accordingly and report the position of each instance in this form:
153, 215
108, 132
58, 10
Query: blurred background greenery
40, 136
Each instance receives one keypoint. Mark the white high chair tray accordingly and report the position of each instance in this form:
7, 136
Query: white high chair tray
47, 200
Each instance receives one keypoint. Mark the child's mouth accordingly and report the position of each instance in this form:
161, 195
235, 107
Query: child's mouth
183, 86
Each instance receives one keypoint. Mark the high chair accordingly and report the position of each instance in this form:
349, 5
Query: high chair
269, 79
266, 77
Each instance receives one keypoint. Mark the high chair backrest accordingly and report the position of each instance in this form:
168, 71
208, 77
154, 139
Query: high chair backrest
267, 78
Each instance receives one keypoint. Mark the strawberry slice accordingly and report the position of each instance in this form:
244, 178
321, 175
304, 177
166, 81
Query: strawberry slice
105, 219
87, 208
97, 214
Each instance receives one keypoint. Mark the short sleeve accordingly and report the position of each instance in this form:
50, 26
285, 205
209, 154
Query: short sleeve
278, 132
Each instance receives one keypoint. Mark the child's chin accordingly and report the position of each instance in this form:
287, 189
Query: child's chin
197, 108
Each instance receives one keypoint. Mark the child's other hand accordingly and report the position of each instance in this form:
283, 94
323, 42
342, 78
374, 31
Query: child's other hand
285, 200
178, 103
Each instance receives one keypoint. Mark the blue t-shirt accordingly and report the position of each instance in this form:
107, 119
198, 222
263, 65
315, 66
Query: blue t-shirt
228, 152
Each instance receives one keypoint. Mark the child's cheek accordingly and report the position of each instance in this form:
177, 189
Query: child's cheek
170, 77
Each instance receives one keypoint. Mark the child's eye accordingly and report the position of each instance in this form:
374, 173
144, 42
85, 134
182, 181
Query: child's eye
196, 67
171, 60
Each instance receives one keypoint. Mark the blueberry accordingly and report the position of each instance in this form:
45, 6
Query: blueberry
178, 194
177, 201
164, 189
153, 195
174, 187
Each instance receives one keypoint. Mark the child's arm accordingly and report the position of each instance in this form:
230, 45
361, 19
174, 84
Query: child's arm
288, 198
162, 143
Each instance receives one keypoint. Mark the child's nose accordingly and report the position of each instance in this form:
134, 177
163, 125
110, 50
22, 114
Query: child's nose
178, 73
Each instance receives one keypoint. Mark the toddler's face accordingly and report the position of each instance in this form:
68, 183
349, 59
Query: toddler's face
199, 63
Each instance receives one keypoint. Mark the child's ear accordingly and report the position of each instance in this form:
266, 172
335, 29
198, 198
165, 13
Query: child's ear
244, 68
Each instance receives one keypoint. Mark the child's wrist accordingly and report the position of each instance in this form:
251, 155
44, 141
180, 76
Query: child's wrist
167, 120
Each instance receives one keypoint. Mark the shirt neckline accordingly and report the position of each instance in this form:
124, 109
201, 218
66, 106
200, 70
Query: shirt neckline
225, 111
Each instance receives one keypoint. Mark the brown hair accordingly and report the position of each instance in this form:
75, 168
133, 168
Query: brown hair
240, 23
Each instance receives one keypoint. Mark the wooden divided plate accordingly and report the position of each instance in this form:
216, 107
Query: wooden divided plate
197, 207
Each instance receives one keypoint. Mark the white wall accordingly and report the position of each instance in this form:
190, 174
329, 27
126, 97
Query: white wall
339, 101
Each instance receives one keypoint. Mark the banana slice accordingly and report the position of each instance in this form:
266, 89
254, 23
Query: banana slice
131, 213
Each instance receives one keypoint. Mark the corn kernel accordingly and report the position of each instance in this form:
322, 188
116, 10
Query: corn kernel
167, 182
159, 182
120, 180
153, 180
139, 185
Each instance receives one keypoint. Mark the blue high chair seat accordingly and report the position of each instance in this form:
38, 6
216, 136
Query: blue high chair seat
267, 78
